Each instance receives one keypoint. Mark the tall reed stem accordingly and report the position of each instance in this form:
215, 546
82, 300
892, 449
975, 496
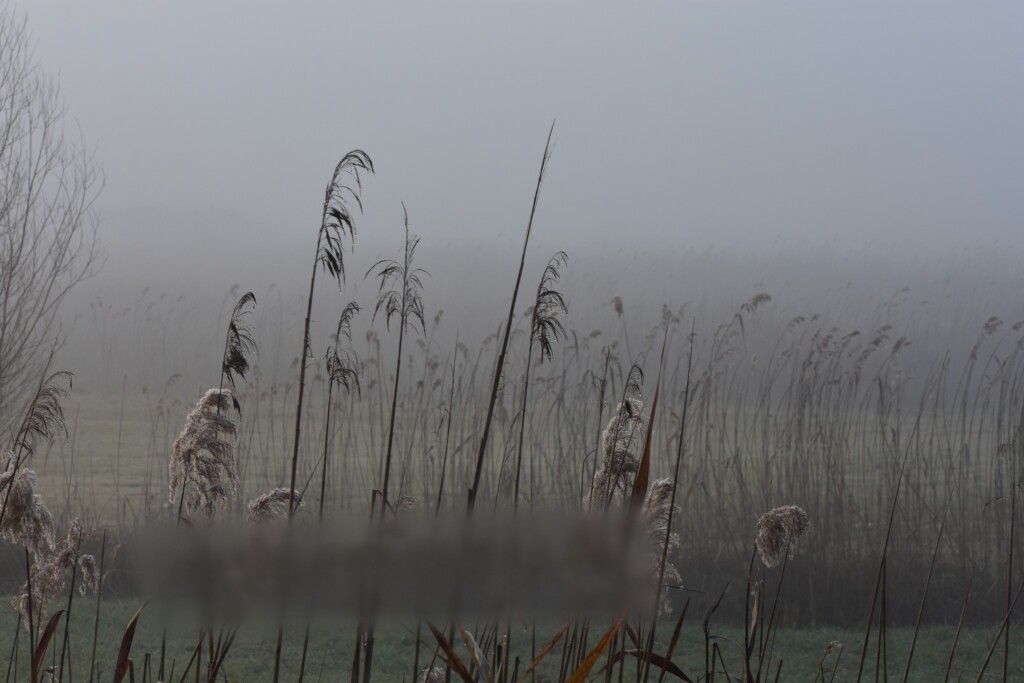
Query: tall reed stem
508, 331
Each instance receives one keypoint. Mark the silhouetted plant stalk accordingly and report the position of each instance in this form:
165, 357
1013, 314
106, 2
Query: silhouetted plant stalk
342, 371
669, 539
545, 328
499, 367
400, 294
99, 600
448, 430
337, 224
43, 421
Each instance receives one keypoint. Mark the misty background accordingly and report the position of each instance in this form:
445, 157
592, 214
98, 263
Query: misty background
829, 196
704, 153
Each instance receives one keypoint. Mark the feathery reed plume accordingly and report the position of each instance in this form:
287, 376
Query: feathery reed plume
336, 223
49, 574
27, 521
613, 481
400, 294
45, 416
778, 531
341, 371
239, 342
342, 364
406, 505
43, 420
656, 518
204, 454
272, 505
545, 328
90, 575
545, 325
432, 675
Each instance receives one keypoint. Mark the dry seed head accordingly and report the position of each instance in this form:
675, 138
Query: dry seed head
48, 575
778, 531
272, 505
432, 675
656, 516
204, 454
406, 505
615, 477
90, 575
26, 520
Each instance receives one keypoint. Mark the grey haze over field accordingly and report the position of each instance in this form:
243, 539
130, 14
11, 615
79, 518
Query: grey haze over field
828, 154
680, 124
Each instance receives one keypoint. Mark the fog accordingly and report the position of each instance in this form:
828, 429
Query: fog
703, 152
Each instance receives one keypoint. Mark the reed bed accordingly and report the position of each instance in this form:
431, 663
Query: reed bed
760, 450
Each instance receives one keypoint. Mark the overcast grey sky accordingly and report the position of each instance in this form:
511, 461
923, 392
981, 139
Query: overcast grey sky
678, 123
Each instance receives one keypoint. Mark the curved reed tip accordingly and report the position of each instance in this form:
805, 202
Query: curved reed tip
272, 506
778, 531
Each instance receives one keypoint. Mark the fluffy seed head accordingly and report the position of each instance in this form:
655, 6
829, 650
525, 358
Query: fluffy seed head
48, 575
26, 519
204, 454
656, 514
272, 506
778, 531
432, 675
90, 573
614, 479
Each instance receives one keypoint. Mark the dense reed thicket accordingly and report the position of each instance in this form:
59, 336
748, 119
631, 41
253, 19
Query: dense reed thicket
781, 410
895, 429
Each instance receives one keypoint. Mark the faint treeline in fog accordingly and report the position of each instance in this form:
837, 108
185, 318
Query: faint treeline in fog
814, 378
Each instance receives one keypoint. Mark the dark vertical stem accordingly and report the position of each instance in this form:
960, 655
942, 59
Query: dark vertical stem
508, 331
394, 406
302, 378
672, 504
327, 436
522, 424
31, 630
448, 430
67, 616
1009, 566
298, 425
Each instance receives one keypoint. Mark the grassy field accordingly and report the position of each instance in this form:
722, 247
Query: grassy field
330, 650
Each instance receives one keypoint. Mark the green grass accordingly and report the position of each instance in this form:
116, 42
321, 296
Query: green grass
251, 658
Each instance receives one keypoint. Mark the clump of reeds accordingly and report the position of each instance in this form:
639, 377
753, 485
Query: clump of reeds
272, 505
778, 531
26, 520
656, 517
51, 570
614, 480
204, 454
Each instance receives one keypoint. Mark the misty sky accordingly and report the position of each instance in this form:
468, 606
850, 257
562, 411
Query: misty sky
679, 124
